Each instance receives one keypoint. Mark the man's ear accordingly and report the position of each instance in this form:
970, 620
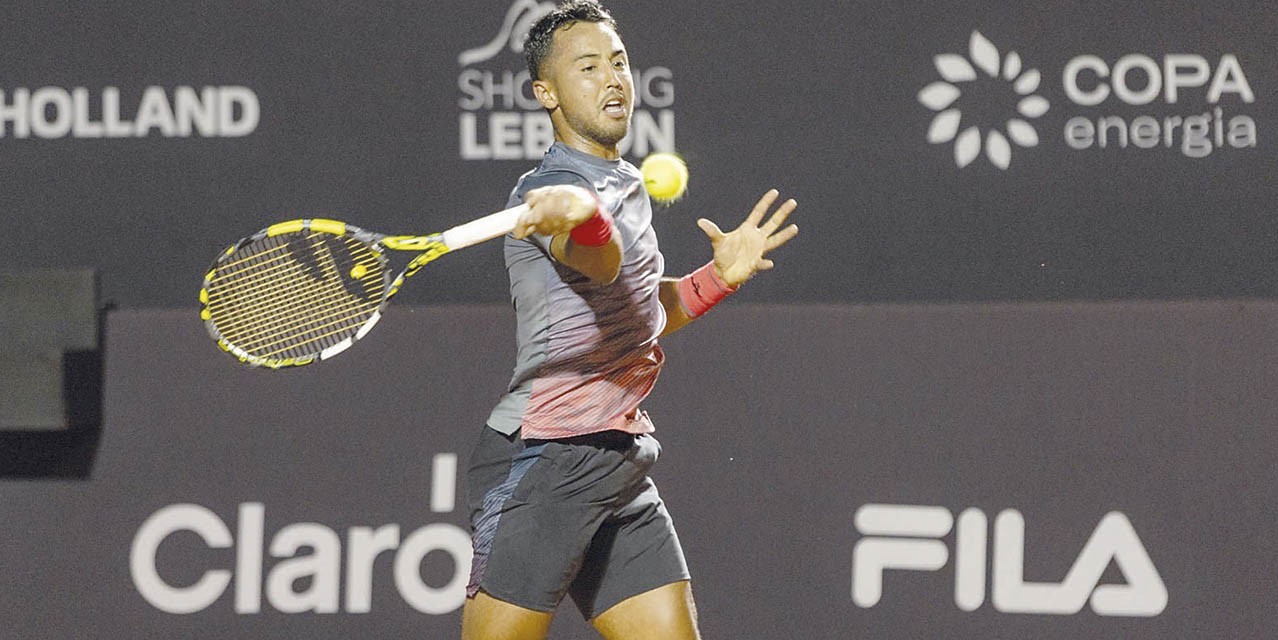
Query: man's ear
545, 93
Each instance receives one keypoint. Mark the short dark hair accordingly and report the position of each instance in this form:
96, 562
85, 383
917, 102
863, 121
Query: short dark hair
537, 46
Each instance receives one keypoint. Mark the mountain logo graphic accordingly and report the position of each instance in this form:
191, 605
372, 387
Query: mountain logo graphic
958, 72
520, 17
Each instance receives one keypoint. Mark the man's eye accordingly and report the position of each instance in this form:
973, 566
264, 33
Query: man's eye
589, 68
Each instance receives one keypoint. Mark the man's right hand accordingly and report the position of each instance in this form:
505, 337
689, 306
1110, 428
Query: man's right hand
555, 209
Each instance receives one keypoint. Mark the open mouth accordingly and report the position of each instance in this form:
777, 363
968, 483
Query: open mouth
615, 108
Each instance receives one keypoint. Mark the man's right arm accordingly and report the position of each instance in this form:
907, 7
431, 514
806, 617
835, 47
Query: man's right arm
558, 209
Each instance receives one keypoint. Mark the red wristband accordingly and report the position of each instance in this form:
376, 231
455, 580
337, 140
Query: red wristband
702, 289
596, 231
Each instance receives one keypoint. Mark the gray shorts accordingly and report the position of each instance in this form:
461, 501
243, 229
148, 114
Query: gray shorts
575, 516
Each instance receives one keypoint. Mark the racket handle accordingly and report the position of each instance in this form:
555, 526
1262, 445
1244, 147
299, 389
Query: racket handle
485, 228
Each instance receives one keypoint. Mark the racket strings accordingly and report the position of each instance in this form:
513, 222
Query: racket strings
294, 304
318, 342
280, 320
226, 266
262, 262
297, 324
286, 335
335, 310
266, 290
266, 296
264, 313
258, 271
258, 283
273, 290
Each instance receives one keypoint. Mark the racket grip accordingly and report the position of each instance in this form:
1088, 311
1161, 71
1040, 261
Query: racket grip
485, 228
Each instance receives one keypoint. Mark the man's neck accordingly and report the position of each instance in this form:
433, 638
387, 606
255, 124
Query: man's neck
574, 140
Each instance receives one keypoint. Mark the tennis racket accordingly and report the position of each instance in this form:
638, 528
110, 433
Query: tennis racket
302, 291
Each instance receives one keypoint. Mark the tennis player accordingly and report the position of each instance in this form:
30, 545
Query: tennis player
560, 498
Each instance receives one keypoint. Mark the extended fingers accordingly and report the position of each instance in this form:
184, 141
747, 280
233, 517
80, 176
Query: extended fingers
778, 218
710, 228
761, 207
781, 237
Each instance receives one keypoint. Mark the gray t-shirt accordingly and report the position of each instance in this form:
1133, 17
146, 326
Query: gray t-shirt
587, 352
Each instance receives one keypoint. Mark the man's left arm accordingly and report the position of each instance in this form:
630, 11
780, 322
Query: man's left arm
738, 255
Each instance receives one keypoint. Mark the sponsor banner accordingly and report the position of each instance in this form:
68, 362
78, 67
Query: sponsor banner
55, 112
1114, 540
1046, 471
1186, 95
967, 152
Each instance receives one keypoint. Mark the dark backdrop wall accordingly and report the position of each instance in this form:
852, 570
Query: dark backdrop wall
1145, 169
1133, 443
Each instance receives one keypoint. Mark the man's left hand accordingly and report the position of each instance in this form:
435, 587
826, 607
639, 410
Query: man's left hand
738, 255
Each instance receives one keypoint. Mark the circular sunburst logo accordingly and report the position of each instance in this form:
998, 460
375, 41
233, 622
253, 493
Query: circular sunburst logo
940, 96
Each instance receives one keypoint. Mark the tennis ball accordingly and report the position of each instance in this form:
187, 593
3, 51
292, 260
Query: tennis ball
359, 271
665, 175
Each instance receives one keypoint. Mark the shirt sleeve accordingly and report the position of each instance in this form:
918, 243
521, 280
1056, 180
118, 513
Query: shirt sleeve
544, 180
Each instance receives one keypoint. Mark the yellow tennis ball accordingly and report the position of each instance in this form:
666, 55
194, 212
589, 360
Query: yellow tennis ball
665, 175
359, 271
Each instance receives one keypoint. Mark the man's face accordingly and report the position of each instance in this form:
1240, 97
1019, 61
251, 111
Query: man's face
588, 77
